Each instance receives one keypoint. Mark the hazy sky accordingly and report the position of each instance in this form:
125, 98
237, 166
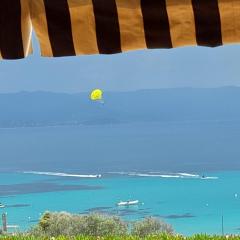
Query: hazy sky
183, 67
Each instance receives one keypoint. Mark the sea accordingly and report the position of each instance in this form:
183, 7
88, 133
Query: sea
185, 173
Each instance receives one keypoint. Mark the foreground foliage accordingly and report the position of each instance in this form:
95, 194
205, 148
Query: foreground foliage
150, 226
97, 225
66, 226
128, 237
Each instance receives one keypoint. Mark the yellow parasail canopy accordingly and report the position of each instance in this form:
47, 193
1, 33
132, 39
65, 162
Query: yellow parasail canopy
96, 95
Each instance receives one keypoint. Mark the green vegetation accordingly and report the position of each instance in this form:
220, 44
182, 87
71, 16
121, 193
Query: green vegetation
150, 226
151, 237
96, 225
66, 226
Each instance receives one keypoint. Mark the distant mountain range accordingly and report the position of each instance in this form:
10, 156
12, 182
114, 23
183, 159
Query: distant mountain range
185, 104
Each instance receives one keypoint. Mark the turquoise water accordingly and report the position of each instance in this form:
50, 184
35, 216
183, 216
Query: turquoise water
191, 204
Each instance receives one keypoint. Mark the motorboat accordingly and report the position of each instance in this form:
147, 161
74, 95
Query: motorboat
2, 206
128, 203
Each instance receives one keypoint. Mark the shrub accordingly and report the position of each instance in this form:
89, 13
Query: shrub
150, 226
65, 224
99, 225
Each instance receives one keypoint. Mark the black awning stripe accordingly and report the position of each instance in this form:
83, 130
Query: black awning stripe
107, 26
11, 43
156, 24
59, 27
207, 22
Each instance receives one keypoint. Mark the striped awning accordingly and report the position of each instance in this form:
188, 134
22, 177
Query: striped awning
76, 27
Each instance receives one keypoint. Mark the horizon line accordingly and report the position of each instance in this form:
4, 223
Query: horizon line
116, 91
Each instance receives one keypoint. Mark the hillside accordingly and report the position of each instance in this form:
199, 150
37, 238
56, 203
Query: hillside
46, 108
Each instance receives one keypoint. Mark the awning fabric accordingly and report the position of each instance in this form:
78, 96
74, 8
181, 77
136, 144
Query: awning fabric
76, 27
15, 29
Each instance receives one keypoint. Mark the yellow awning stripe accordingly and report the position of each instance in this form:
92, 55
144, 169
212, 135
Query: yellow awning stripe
26, 26
230, 16
182, 24
131, 24
40, 25
84, 34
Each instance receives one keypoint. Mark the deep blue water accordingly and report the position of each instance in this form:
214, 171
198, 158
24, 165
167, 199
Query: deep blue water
189, 203
177, 146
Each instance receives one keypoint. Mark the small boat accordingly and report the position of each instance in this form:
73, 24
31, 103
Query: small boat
128, 203
2, 206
